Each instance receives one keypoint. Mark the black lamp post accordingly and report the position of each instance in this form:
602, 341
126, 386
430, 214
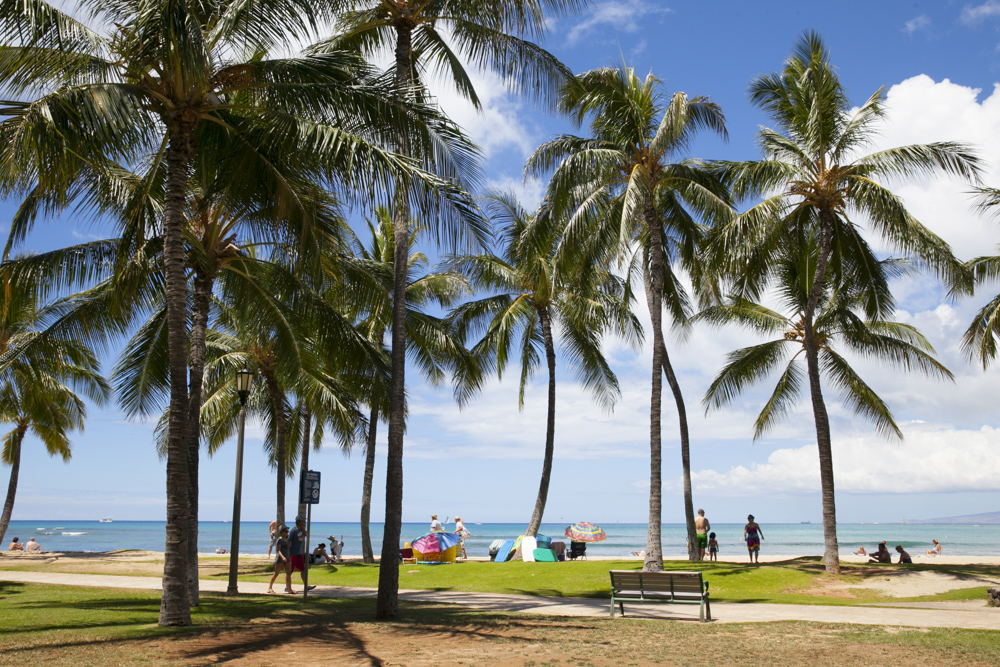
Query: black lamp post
244, 378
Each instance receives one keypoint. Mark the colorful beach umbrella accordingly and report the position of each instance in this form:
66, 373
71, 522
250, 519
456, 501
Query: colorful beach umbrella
433, 543
585, 532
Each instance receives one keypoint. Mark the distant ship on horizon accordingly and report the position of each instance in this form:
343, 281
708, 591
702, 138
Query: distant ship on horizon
107, 519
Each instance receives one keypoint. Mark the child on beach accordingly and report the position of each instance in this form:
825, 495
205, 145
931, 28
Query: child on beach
713, 547
282, 562
904, 558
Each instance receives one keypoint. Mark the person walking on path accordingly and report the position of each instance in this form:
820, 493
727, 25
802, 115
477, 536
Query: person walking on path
297, 542
282, 562
753, 535
701, 528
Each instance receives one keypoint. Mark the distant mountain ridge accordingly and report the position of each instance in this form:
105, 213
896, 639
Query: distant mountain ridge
987, 518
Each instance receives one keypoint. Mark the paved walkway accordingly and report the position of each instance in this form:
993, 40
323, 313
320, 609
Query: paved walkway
973, 615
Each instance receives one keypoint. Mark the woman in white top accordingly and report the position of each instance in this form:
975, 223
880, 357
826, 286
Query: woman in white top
436, 526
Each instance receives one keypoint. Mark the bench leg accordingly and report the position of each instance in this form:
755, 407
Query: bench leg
612, 605
621, 605
708, 609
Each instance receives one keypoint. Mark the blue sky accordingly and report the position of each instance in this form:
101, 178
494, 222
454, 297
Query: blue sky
940, 63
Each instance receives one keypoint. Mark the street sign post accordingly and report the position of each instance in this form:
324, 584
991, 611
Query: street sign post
308, 496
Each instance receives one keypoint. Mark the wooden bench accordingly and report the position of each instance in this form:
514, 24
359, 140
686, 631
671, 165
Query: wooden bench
666, 587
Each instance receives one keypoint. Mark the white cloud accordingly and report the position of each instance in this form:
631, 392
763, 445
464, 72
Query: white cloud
916, 24
975, 14
930, 460
921, 110
625, 16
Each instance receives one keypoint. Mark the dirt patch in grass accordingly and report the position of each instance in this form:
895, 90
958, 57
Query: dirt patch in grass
533, 642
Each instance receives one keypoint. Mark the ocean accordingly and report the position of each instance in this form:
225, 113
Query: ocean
779, 539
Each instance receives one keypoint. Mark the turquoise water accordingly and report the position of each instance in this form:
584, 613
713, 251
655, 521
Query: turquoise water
783, 539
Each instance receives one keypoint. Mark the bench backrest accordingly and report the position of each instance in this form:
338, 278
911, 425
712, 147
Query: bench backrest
675, 583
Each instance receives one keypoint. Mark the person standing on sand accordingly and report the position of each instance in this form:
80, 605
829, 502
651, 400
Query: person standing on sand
32, 545
713, 547
436, 526
281, 562
272, 533
701, 528
15, 546
753, 535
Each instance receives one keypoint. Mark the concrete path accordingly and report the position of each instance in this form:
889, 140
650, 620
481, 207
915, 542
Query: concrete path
956, 615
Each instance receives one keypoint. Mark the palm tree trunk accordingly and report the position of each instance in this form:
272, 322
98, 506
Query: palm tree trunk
831, 555
15, 467
654, 297
175, 605
550, 425
196, 372
675, 387
280, 449
387, 604
306, 428
366, 489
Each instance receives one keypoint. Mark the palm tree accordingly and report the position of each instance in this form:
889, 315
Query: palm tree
184, 81
489, 34
431, 343
980, 339
531, 296
37, 387
625, 193
838, 322
816, 183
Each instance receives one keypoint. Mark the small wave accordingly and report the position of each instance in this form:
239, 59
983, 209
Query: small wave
48, 532
59, 528
39, 529
65, 533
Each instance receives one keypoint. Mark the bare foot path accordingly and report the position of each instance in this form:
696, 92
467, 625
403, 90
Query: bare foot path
971, 615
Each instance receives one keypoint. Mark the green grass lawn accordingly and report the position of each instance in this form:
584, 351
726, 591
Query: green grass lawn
63, 625
796, 581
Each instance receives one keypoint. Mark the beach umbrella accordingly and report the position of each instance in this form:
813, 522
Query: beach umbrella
433, 543
585, 532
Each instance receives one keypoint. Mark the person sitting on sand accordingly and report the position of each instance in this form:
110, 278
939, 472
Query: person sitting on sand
336, 549
15, 546
882, 555
861, 551
32, 545
319, 555
935, 550
220, 550
904, 558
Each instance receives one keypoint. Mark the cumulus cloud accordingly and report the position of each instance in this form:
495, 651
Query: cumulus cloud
976, 14
624, 15
930, 460
915, 24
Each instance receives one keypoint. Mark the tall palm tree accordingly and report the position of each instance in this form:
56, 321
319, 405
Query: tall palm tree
625, 192
980, 339
181, 81
531, 298
38, 385
490, 34
839, 322
431, 344
816, 182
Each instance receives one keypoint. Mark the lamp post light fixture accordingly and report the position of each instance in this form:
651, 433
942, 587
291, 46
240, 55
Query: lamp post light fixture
244, 378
